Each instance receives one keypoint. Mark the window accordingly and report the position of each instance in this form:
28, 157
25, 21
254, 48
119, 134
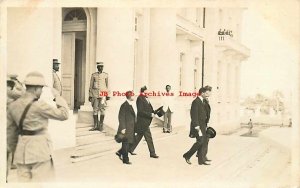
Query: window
75, 14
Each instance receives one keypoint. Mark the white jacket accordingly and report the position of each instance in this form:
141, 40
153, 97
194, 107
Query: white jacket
168, 101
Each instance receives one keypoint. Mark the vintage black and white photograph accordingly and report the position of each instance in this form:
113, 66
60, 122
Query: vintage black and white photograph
150, 93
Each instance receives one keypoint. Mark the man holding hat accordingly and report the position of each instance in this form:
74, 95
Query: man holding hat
56, 81
145, 113
199, 120
127, 121
27, 130
98, 92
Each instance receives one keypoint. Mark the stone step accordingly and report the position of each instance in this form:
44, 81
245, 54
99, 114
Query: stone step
104, 143
83, 156
83, 125
85, 132
91, 139
92, 144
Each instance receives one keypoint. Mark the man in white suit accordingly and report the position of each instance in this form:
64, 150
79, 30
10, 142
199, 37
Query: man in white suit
168, 108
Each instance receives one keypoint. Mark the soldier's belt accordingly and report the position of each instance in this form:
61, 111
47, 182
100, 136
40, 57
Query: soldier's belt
31, 133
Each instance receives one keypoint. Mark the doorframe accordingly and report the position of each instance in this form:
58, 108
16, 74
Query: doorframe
90, 55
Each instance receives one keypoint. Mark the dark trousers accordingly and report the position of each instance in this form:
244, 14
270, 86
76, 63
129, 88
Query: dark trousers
200, 146
124, 151
149, 140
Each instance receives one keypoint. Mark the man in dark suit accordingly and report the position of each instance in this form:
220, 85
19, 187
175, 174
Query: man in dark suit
127, 120
145, 113
208, 110
199, 118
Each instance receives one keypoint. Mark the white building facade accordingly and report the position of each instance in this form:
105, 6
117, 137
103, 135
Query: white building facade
142, 46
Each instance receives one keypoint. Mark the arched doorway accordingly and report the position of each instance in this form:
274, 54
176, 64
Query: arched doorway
74, 50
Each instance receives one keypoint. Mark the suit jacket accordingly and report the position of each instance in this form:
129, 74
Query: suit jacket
207, 109
198, 117
57, 83
144, 110
98, 83
127, 120
36, 148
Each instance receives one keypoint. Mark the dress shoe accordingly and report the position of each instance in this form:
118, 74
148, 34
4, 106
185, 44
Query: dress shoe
154, 156
119, 155
168, 132
127, 162
93, 129
208, 160
187, 160
132, 153
204, 163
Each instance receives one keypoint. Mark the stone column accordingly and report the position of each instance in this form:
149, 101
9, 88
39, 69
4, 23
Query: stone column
163, 68
115, 47
90, 64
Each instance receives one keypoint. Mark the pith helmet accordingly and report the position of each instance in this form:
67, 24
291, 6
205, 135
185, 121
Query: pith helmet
35, 79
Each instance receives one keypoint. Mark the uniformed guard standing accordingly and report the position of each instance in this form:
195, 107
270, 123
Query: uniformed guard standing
56, 81
98, 93
27, 130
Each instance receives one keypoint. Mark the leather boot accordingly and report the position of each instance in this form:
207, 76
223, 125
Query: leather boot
101, 123
95, 123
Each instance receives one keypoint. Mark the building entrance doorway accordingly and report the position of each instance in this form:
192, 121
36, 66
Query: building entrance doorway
74, 27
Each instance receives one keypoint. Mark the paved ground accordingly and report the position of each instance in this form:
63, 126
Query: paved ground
236, 162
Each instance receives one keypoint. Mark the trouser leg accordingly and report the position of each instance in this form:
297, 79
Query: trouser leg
202, 150
102, 113
137, 140
193, 149
165, 122
169, 126
95, 117
206, 149
149, 141
125, 147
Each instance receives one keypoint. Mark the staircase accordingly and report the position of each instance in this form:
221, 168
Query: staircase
92, 144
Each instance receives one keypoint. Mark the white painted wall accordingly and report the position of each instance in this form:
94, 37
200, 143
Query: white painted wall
33, 40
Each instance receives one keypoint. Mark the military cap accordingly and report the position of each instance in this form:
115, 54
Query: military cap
211, 132
100, 64
35, 79
55, 61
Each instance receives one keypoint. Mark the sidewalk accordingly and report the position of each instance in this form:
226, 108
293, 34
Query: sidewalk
236, 162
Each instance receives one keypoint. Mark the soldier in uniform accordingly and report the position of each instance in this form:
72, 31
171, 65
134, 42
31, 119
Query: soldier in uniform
17, 88
98, 93
56, 81
27, 130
